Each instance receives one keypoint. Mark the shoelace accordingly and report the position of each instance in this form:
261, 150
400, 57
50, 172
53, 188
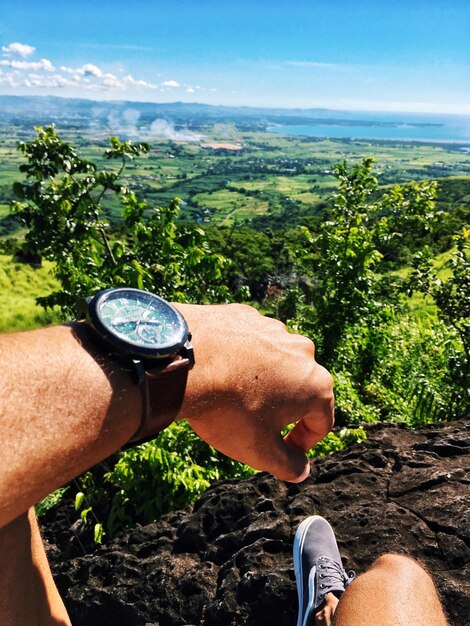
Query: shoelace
332, 577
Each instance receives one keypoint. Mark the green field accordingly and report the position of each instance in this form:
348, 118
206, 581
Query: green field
271, 174
20, 284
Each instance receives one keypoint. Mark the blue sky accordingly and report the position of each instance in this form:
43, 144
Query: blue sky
400, 55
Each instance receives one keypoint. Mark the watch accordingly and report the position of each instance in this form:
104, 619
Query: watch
151, 338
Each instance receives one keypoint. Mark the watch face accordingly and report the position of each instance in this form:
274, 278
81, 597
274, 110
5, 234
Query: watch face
138, 321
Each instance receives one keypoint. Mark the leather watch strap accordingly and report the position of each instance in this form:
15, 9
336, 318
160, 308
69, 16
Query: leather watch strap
162, 389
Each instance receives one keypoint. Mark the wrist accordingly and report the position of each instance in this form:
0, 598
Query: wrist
111, 380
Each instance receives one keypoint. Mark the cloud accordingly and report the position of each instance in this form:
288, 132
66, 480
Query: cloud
130, 80
111, 82
90, 70
42, 74
22, 49
312, 65
43, 64
54, 81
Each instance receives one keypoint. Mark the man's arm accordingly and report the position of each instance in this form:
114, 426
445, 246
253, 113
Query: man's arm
64, 406
61, 411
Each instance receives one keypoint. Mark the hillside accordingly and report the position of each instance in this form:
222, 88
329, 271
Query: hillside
20, 284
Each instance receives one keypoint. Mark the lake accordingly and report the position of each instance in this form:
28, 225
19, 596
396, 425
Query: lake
388, 126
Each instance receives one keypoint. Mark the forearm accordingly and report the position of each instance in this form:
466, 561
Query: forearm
63, 408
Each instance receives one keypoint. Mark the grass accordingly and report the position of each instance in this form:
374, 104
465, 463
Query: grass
230, 205
19, 285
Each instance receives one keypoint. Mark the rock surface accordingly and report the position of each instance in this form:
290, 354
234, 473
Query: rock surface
227, 559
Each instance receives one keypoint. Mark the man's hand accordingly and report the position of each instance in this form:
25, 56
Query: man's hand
252, 377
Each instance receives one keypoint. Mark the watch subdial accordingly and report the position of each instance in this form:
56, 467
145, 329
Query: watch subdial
150, 332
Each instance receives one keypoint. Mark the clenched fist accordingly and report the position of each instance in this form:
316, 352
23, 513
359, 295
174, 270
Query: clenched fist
252, 377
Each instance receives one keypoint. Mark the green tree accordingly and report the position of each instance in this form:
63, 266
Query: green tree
344, 256
384, 367
62, 208
452, 297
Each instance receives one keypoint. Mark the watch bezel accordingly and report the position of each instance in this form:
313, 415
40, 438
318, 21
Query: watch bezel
120, 345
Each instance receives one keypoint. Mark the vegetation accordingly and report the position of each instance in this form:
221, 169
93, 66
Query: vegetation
20, 285
395, 339
387, 363
62, 211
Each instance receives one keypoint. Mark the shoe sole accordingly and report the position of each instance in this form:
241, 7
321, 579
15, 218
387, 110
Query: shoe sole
298, 546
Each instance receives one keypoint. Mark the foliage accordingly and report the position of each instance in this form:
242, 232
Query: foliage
386, 365
153, 478
250, 251
338, 440
408, 377
345, 257
452, 297
50, 501
62, 210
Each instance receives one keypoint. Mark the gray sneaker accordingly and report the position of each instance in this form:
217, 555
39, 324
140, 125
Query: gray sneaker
318, 567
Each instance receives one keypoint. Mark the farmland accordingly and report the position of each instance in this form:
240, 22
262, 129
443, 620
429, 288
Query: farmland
232, 175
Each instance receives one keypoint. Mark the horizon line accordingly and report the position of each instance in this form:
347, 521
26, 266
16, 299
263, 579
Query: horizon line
242, 106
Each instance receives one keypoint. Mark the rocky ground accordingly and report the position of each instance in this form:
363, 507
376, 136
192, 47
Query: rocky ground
227, 560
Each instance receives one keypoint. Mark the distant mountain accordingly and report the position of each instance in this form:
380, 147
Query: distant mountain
73, 108
183, 121
119, 115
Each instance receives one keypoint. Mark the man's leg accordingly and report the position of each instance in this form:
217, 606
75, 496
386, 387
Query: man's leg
396, 591
28, 595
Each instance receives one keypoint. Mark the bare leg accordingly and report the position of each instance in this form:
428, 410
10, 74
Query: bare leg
396, 591
28, 594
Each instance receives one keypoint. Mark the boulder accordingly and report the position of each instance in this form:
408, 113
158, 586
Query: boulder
227, 559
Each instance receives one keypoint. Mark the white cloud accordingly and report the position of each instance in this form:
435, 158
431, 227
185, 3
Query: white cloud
22, 49
9, 80
130, 80
43, 64
49, 80
90, 70
317, 65
42, 74
111, 82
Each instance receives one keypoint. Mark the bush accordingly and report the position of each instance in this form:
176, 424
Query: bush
142, 483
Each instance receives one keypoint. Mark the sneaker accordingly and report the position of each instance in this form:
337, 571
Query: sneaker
318, 567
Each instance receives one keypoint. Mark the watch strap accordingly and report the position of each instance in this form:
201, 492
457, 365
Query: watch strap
162, 390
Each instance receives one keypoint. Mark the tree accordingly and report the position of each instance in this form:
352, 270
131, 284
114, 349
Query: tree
344, 256
452, 297
62, 208
386, 364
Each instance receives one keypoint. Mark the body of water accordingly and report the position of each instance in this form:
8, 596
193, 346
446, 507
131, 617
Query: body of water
393, 126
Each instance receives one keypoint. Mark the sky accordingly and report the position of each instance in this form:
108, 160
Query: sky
372, 55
